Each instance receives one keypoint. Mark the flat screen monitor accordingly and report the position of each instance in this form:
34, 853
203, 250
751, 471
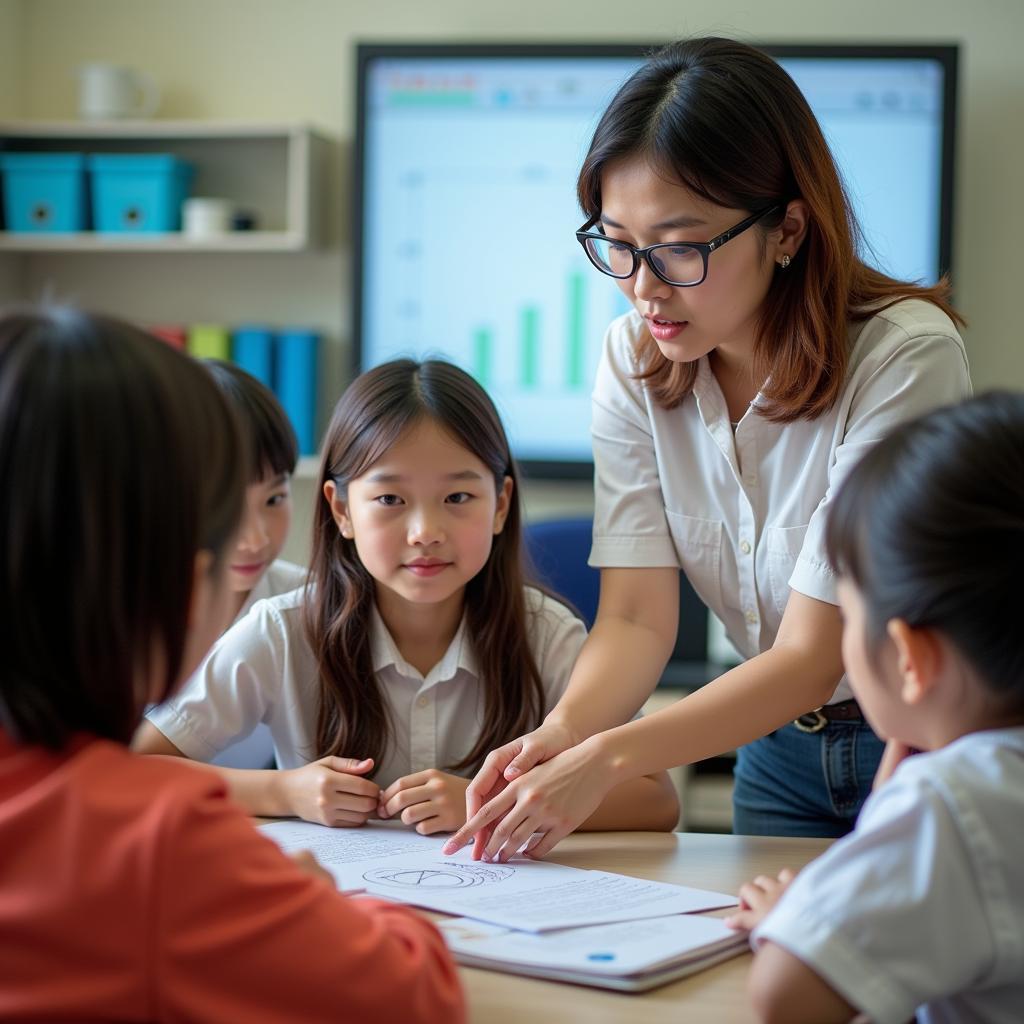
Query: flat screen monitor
466, 162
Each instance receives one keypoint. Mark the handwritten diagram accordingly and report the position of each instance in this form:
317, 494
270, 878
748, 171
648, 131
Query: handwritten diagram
442, 875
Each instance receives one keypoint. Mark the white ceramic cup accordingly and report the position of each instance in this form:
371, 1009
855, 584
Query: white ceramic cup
203, 216
106, 92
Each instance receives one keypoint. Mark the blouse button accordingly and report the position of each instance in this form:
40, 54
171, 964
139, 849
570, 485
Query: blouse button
423, 702
745, 547
751, 616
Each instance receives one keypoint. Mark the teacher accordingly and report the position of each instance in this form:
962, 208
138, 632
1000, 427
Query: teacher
762, 358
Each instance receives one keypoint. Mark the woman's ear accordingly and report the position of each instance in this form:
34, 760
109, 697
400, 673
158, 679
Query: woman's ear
790, 234
504, 504
919, 659
339, 509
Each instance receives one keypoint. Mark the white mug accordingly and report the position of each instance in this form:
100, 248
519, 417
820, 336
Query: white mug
106, 91
205, 217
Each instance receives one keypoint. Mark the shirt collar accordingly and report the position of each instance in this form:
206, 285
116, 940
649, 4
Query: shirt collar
385, 653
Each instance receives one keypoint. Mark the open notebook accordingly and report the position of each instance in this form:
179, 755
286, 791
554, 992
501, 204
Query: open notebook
630, 956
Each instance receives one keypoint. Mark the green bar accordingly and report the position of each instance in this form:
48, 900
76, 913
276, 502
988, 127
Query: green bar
483, 347
208, 341
530, 326
577, 354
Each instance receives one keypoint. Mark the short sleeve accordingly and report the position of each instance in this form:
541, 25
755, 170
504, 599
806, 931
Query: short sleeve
232, 690
243, 935
891, 916
556, 637
630, 529
920, 374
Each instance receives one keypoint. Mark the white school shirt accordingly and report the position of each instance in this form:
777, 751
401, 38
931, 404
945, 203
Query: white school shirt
743, 512
921, 907
263, 670
281, 577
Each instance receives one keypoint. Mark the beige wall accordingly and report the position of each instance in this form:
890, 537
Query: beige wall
293, 60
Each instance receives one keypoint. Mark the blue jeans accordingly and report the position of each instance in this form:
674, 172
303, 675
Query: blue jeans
793, 783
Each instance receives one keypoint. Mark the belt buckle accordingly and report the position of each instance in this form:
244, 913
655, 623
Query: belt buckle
813, 721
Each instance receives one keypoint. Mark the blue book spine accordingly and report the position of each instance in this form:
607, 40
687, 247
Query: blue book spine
297, 351
252, 348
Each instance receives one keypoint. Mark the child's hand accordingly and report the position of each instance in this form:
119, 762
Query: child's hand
433, 801
896, 752
307, 863
331, 791
757, 898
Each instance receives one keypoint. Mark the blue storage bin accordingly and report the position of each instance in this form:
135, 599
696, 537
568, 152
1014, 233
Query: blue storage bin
296, 382
140, 193
44, 191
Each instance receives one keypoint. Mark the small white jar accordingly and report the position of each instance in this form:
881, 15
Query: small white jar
203, 217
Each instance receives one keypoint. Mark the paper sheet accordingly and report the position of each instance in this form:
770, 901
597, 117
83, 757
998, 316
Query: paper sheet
337, 849
534, 896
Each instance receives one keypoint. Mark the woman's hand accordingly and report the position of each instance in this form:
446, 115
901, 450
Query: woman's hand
508, 763
433, 801
331, 791
541, 808
757, 898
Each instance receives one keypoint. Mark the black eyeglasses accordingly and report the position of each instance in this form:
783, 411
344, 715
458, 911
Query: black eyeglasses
680, 264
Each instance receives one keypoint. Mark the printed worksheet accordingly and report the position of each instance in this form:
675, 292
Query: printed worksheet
337, 848
532, 896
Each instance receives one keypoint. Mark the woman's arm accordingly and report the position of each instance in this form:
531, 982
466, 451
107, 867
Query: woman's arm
647, 804
784, 990
798, 673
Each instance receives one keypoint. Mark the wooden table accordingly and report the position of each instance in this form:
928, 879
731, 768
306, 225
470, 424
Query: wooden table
716, 995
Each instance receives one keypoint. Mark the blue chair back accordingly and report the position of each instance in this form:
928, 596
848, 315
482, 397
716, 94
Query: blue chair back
559, 549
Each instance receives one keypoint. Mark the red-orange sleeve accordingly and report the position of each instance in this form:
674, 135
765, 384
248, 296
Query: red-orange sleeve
242, 934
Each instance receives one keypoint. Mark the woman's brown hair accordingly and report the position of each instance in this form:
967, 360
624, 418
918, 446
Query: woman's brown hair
373, 413
119, 462
727, 122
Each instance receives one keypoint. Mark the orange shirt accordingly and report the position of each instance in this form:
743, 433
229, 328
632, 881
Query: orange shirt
131, 888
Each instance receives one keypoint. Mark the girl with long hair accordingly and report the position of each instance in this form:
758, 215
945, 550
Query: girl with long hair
417, 646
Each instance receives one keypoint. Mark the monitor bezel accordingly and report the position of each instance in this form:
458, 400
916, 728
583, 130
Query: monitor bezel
946, 54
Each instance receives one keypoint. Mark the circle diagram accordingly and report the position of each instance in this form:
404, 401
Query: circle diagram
439, 876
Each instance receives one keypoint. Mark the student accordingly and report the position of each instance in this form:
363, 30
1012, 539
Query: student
256, 569
133, 889
418, 649
762, 359
920, 910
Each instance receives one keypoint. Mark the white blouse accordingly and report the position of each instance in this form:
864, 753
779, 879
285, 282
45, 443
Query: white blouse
263, 670
743, 513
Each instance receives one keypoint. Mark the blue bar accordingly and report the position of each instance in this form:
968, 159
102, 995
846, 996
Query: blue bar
252, 348
296, 383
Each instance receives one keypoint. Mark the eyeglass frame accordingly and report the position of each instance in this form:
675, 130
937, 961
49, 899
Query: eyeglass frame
704, 248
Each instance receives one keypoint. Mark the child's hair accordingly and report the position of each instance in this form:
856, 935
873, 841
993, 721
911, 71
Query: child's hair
373, 413
119, 462
727, 122
273, 446
929, 527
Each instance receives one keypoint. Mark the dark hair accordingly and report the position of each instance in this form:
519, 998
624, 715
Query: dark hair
929, 526
119, 461
373, 413
273, 447
727, 122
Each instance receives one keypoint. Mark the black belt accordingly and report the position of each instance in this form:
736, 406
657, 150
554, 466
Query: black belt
816, 720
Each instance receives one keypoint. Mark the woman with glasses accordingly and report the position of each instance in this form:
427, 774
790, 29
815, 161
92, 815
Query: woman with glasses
728, 407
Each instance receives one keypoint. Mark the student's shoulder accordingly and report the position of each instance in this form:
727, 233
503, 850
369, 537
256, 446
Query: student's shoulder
283, 610
548, 618
148, 789
283, 577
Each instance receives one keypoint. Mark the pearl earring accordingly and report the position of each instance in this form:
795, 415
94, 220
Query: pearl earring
785, 261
